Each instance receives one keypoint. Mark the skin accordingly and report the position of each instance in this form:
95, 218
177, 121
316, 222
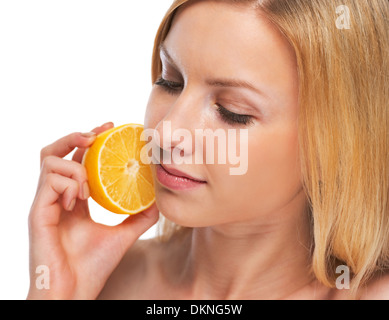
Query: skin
63, 236
274, 173
253, 245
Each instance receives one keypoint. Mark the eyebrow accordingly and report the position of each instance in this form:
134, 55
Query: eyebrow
233, 83
221, 83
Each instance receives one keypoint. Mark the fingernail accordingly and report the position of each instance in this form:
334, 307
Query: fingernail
85, 190
72, 205
88, 134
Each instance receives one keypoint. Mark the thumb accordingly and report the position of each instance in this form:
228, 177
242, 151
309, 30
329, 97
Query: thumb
135, 225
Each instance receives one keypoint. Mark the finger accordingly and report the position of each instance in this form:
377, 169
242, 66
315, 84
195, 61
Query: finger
70, 169
45, 209
67, 144
134, 226
78, 155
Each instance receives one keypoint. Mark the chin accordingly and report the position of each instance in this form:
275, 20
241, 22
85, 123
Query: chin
181, 212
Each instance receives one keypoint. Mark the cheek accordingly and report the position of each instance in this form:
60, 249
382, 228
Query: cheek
273, 177
276, 154
155, 110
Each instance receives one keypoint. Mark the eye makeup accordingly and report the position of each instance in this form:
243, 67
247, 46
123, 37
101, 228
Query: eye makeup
227, 116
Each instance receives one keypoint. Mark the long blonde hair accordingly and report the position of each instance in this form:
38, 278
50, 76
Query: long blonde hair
343, 121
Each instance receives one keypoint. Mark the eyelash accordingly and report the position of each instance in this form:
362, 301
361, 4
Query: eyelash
226, 115
169, 86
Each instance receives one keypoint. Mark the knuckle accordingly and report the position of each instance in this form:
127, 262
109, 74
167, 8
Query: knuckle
58, 182
50, 179
76, 170
73, 187
43, 153
72, 139
47, 162
81, 170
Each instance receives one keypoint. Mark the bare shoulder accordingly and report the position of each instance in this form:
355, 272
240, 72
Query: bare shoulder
377, 288
129, 277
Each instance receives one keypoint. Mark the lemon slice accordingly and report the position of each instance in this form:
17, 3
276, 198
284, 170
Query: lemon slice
118, 180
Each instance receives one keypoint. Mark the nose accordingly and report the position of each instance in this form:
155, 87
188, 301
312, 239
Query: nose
174, 134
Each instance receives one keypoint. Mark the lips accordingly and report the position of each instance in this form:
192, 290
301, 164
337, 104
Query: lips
179, 173
174, 179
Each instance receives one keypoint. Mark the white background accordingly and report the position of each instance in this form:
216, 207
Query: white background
65, 66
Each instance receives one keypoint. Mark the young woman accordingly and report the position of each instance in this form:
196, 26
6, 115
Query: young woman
312, 208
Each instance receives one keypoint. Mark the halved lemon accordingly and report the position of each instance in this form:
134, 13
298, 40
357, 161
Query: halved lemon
118, 180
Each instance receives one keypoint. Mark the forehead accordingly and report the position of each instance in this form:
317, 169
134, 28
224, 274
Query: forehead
224, 39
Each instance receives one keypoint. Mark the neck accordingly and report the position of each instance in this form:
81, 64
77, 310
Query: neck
251, 260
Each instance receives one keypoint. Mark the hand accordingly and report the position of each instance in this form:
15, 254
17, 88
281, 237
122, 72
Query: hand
79, 253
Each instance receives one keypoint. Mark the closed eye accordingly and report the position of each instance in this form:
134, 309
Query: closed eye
227, 116
233, 118
170, 86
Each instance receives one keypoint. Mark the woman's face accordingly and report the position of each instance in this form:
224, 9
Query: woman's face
226, 67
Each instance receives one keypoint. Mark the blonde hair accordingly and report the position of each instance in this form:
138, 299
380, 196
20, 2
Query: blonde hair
343, 121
